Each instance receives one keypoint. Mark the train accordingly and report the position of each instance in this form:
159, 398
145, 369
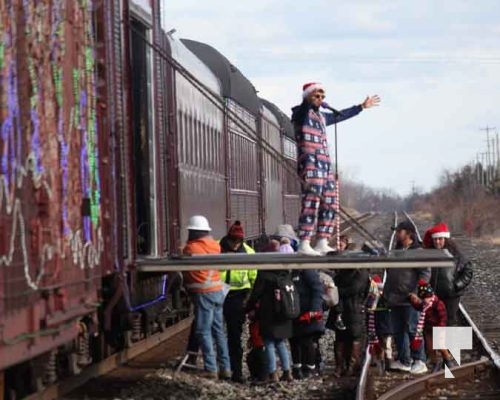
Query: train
113, 133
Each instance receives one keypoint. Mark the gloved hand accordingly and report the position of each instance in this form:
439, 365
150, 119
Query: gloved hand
310, 316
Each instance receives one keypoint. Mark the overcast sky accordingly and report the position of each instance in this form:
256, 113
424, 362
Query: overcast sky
435, 63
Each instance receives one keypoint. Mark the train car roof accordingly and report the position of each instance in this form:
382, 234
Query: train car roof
284, 121
234, 84
270, 115
189, 60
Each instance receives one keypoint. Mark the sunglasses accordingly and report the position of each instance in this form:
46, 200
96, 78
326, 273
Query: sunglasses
319, 96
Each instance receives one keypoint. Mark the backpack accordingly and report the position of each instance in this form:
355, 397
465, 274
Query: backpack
286, 301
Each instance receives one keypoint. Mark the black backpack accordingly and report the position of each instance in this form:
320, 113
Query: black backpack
286, 301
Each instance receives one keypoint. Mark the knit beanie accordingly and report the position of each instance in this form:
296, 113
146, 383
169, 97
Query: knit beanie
236, 231
311, 87
424, 289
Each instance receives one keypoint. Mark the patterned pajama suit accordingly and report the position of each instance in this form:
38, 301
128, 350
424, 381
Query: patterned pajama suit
315, 169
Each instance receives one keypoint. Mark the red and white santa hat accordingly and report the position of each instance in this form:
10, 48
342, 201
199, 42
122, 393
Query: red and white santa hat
311, 87
437, 231
440, 231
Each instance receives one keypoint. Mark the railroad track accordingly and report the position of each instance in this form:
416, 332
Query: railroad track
120, 363
473, 379
62, 388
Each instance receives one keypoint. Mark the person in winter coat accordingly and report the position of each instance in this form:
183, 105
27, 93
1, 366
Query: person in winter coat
353, 287
273, 330
379, 325
432, 313
205, 289
314, 165
240, 282
309, 325
448, 283
284, 232
399, 283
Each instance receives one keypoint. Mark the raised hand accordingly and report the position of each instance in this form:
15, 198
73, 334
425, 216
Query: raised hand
371, 101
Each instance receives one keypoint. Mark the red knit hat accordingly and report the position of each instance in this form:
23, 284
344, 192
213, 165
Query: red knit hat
311, 87
437, 231
376, 279
236, 231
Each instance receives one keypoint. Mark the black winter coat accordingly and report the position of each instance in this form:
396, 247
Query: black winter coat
451, 282
263, 294
353, 285
310, 291
401, 281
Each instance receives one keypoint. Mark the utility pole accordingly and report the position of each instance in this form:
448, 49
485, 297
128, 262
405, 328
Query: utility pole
488, 156
497, 165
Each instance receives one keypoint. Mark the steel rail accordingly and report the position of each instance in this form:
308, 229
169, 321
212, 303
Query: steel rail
363, 218
62, 388
363, 378
418, 387
414, 224
495, 357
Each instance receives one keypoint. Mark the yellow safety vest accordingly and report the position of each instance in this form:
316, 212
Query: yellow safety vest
240, 279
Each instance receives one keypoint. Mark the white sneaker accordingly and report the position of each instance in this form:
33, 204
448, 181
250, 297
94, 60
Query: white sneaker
322, 246
418, 367
399, 366
306, 249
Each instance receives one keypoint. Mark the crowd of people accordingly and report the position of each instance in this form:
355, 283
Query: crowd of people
286, 312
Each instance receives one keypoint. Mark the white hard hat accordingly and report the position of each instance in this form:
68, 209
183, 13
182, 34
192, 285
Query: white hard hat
198, 223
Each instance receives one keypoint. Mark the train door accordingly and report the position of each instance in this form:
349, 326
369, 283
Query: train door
143, 139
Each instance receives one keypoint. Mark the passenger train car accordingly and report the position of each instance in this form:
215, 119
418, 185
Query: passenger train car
107, 147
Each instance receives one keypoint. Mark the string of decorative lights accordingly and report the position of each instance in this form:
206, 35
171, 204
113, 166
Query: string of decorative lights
57, 55
85, 244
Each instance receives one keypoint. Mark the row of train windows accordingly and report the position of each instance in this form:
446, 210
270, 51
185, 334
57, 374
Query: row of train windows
200, 144
243, 156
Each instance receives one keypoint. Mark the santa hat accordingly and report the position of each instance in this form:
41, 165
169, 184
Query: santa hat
437, 231
424, 289
440, 231
236, 231
311, 87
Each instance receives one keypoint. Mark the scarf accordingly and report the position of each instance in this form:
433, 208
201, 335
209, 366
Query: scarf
416, 342
373, 341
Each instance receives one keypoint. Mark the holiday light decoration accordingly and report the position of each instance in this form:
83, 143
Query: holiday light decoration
39, 166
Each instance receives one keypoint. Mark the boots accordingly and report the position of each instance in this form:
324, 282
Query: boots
287, 376
355, 360
306, 249
339, 349
322, 246
308, 371
273, 377
297, 372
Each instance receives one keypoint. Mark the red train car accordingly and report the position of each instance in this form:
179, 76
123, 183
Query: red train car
54, 185
199, 144
116, 149
273, 173
242, 147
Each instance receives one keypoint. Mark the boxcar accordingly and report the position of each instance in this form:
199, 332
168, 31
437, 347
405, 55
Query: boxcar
53, 229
